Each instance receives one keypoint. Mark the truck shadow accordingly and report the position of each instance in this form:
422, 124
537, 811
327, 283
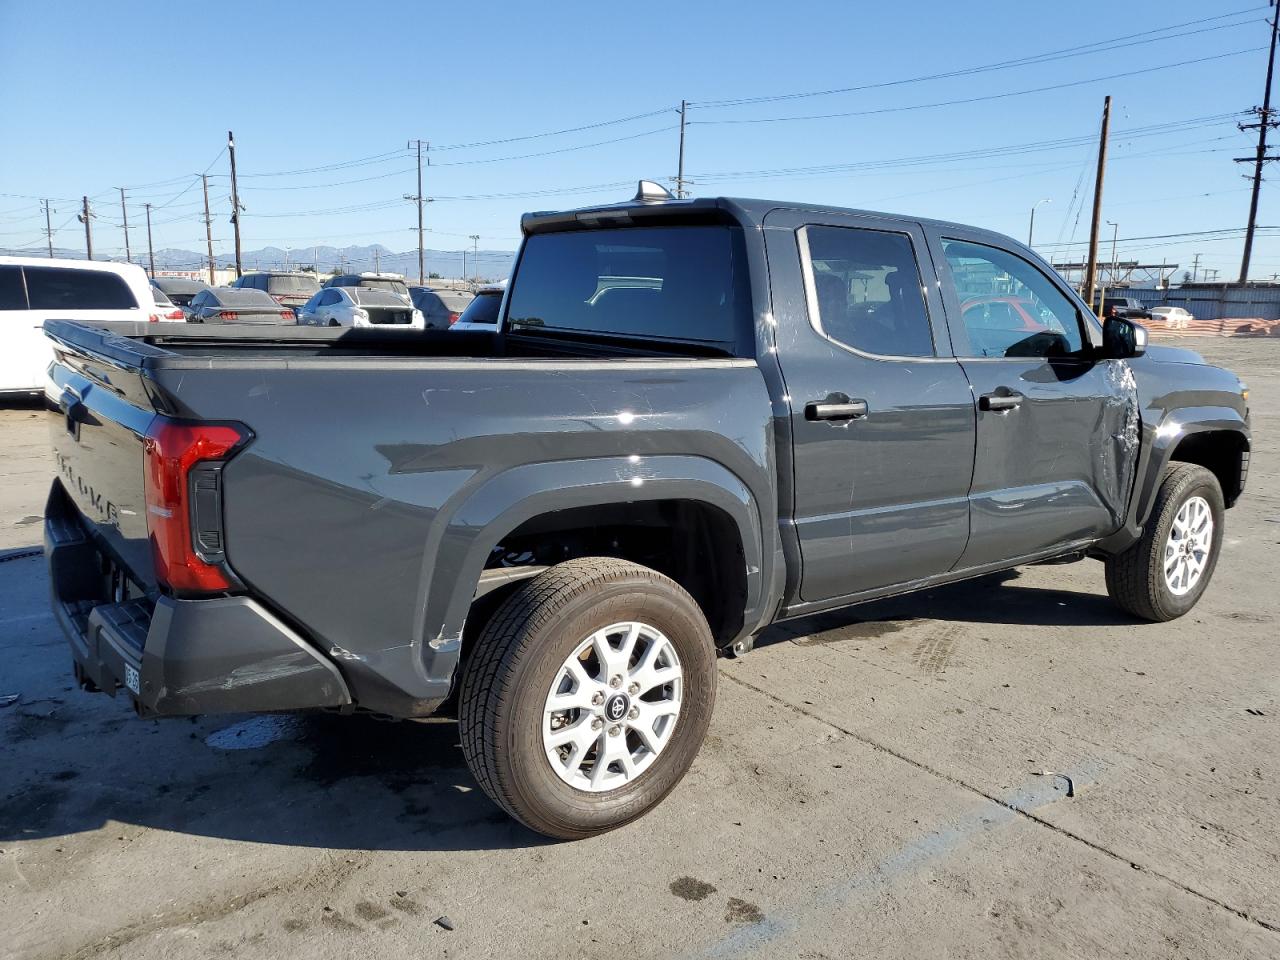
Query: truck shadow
310, 780
996, 598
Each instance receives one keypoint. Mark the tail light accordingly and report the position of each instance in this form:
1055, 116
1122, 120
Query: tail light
227, 315
183, 482
154, 318
287, 315
174, 314
453, 318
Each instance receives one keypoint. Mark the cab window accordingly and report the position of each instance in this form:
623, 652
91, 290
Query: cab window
1008, 307
866, 289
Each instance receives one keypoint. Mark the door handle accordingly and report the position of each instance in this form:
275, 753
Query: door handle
848, 410
1000, 402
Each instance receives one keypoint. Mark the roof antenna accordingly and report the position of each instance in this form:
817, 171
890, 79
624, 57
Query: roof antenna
650, 192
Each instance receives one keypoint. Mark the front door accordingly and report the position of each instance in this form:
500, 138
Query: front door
1057, 428
882, 417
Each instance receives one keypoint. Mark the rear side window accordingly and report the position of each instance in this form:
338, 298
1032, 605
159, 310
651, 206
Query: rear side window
685, 283
866, 287
12, 294
483, 309
58, 288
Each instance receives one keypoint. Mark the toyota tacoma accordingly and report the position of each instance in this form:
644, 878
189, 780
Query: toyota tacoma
696, 418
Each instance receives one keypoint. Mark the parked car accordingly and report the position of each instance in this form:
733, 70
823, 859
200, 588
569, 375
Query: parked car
179, 290
1175, 318
359, 307
1126, 308
481, 313
236, 305
166, 309
287, 289
441, 308
391, 282
36, 289
552, 535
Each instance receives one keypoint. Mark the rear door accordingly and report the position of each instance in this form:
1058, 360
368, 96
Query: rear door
882, 417
1056, 428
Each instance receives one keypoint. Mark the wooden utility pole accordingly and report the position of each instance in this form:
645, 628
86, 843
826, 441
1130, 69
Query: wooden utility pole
124, 215
84, 217
419, 199
680, 191
151, 253
475, 256
1263, 125
1091, 268
235, 200
208, 227
48, 227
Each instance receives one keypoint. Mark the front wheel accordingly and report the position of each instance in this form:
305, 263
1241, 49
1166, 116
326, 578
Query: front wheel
1164, 574
587, 696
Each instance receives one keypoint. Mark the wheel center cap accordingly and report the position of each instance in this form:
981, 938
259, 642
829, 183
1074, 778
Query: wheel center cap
616, 707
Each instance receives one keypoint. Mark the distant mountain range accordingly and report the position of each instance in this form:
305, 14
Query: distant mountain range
487, 264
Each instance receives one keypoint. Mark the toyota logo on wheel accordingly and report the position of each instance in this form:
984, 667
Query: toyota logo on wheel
616, 708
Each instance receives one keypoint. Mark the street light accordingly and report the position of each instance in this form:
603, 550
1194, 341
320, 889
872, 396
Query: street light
1032, 229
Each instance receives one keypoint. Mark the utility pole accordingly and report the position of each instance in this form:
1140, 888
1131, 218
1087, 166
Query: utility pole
124, 215
48, 227
208, 228
1195, 267
151, 254
420, 200
377, 263
235, 200
84, 217
475, 257
680, 191
1031, 230
1264, 123
1091, 268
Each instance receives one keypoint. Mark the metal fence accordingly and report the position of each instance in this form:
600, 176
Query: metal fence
1226, 301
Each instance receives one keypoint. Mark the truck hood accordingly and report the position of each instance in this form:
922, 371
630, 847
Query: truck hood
1162, 354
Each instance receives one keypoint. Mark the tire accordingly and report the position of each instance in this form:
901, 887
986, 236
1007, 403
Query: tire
1136, 579
523, 651
334, 323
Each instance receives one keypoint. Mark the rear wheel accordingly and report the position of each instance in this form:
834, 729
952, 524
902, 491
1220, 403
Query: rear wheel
1164, 574
587, 696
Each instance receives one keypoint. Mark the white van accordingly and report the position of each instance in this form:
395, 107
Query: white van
36, 289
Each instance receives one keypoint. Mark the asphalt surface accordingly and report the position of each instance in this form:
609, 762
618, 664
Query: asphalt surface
874, 785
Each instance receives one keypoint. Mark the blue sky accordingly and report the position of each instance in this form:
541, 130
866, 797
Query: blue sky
103, 94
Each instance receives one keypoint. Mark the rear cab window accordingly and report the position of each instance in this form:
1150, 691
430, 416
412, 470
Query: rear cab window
682, 285
483, 309
292, 285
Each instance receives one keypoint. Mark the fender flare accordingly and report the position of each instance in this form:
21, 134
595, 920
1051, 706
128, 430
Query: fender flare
1175, 427
462, 542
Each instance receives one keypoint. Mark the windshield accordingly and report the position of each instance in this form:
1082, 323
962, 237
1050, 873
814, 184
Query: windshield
287, 284
686, 283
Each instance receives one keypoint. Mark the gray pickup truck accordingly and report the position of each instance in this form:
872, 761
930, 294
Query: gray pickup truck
697, 418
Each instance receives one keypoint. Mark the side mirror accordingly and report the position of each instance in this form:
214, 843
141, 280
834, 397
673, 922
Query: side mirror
1122, 339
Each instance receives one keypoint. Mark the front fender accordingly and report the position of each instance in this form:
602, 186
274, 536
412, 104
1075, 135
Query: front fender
463, 537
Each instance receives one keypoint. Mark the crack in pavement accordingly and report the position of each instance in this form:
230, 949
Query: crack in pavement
1013, 806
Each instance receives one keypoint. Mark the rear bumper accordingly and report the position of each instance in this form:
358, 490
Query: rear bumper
177, 657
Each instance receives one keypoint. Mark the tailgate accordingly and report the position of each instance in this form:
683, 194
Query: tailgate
98, 448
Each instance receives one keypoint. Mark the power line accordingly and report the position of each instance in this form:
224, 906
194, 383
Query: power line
1097, 46
553, 133
548, 153
980, 99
